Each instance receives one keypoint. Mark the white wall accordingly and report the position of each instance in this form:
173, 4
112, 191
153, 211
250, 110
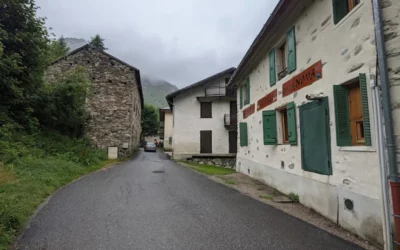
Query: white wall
355, 169
188, 124
168, 129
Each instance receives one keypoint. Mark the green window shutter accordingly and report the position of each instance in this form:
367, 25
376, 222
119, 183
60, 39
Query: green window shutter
291, 50
365, 110
269, 127
291, 120
272, 73
248, 90
241, 97
243, 134
343, 134
339, 10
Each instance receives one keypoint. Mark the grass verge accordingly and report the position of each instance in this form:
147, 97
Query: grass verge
230, 182
32, 167
266, 197
294, 197
209, 169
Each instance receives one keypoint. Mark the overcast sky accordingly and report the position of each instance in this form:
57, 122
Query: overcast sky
181, 41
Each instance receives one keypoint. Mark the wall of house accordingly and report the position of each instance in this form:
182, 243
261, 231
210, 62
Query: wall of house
168, 130
346, 50
391, 17
114, 106
188, 124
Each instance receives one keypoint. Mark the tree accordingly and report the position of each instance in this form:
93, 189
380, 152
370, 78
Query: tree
57, 49
150, 121
23, 42
97, 42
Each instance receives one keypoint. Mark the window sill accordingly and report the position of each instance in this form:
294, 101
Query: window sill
348, 15
358, 149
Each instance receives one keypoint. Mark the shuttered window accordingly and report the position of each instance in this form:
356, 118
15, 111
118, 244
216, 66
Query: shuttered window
241, 97
291, 50
352, 113
269, 127
341, 8
206, 110
243, 134
291, 123
272, 73
248, 91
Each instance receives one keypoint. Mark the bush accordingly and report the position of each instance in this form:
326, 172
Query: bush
61, 103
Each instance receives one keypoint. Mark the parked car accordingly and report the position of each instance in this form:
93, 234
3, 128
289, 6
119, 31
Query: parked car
150, 147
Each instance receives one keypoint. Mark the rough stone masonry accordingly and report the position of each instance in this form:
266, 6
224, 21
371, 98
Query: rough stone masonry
116, 102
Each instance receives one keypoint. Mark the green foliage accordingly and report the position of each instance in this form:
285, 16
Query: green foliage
34, 166
209, 169
266, 197
61, 104
150, 121
23, 42
294, 197
97, 42
57, 49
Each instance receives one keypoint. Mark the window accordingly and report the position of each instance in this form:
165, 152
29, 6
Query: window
282, 120
243, 134
342, 7
352, 113
282, 60
245, 93
206, 110
281, 56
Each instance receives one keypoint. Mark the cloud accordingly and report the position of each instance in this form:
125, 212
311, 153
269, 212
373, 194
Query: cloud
180, 41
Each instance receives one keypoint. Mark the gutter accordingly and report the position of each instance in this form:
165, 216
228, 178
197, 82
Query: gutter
389, 133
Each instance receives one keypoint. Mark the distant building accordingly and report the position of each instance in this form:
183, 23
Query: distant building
204, 118
306, 117
116, 104
166, 123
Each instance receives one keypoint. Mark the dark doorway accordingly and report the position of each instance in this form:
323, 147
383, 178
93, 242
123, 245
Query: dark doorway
233, 142
206, 142
233, 113
315, 137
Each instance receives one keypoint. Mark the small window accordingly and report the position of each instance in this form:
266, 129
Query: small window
282, 61
356, 115
342, 7
284, 125
206, 110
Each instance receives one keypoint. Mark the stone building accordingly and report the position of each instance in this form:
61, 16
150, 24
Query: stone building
116, 102
306, 110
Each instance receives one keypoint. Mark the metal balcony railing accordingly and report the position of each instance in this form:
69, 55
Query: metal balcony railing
282, 74
230, 120
219, 91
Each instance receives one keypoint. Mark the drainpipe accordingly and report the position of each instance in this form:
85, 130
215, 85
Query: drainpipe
387, 114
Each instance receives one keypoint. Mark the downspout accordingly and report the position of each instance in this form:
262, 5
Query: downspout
387, 114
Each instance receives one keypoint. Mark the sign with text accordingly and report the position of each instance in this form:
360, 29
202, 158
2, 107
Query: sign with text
304, 79
267, 100
249, 111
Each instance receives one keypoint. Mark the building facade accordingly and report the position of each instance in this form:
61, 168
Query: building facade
306, 111
166, 123
116, 102
204, 118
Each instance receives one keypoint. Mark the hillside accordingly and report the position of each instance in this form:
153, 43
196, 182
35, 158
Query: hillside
155, 90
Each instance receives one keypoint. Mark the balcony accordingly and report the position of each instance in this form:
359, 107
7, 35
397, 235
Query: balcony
230, 122
218, 93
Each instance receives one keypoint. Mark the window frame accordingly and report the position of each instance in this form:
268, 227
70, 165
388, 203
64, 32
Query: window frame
282, 125
354, 9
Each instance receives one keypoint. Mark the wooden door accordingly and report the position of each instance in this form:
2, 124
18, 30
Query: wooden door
233, 142
315, 137
206, 142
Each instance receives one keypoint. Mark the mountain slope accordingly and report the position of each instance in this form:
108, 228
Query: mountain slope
155, 90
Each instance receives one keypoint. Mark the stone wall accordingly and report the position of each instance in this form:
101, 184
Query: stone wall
114, 106
219, 162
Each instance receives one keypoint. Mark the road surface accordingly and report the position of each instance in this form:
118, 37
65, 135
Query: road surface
151, 202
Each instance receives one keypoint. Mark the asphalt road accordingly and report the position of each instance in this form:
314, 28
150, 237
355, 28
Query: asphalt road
153, 203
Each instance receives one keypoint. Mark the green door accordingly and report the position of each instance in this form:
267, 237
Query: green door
315, 137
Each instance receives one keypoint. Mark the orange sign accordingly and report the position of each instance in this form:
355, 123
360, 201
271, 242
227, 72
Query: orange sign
267, 100
249, 111
304, 79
